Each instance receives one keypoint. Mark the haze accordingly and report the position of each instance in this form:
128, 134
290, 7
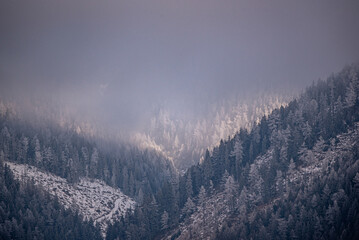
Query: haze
115, 61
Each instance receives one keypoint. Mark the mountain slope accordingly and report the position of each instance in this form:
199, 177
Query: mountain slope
92, 177
324, 189
91, 198
29, 212
294, 175
71, 155
296, 172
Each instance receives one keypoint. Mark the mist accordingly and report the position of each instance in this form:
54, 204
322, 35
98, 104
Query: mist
115, 62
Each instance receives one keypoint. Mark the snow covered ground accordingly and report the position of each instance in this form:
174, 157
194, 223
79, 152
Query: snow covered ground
91, 197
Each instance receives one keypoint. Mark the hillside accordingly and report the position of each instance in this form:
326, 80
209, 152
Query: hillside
302, 182
91, 198
94, 179
30, 212
71, 155
179, 120
293, 175
321, 191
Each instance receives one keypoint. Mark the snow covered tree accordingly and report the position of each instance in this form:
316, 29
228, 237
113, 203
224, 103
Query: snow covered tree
5, 140
114, 180
2, 157
22, 149
189, 189
201, 196
229, 190
291, 167
319, 146
229, 186
48, 156
94, 162
242, 203
37, 150
351, 94
140, 196
125, 186
274, 121
306, 155
256, 185
188, 208
224, 178
207, 168
86, 159
238, 154
332, 213
279, 186
164, 220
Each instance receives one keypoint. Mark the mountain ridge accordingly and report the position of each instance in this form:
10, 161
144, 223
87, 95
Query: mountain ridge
295, 138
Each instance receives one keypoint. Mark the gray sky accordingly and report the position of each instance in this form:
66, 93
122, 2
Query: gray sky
116, 59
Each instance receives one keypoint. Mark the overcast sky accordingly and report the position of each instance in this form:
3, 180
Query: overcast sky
117, 59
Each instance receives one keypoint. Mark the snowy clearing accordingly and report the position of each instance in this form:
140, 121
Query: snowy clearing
92, 198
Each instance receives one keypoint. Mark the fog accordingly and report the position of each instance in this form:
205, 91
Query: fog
116, 61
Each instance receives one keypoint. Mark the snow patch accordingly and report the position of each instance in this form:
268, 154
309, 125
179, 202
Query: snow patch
92, 198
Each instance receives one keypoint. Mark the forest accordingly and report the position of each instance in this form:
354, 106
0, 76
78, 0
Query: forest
264, 180
293, 175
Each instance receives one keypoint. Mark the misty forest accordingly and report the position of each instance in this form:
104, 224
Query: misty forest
179, 119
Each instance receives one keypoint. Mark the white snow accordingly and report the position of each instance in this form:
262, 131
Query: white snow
323, 159
93, 198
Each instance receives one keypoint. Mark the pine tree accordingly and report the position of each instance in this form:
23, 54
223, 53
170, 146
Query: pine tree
202, 196
38, 156
207, 168
230, 192
351, 91
164, 221
188, 207
238, 154
94, 162
189, 188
